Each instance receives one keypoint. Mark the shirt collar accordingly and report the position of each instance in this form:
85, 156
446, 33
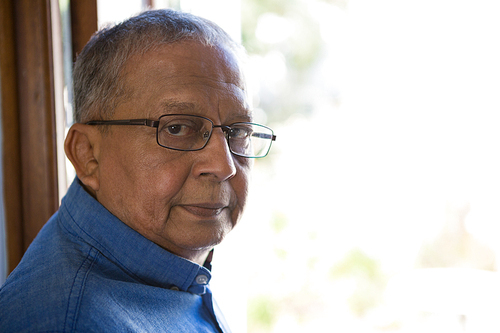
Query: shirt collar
139, 257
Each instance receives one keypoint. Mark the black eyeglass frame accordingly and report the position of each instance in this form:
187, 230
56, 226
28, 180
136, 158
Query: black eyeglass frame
156, 123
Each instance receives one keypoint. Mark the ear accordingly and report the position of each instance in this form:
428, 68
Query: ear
82, 148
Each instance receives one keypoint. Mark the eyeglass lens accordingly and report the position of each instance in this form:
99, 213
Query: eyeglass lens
189, 132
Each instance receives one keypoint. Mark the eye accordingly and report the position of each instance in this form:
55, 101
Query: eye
181, 127
240, 132
183, 132
178, 130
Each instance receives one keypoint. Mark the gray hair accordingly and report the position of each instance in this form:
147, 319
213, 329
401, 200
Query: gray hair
98, 86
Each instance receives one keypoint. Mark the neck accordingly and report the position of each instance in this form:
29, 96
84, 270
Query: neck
196, 256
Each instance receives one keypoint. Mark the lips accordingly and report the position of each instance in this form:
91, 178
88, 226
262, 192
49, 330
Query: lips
205, 210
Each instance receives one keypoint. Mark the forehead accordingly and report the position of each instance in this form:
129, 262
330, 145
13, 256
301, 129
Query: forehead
186, 71
185, 62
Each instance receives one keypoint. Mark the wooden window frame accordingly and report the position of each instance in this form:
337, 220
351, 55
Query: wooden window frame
28, 113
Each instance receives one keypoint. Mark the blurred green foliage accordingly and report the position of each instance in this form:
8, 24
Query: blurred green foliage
356, 264
261, 314
370, 281
279, 222
300, 50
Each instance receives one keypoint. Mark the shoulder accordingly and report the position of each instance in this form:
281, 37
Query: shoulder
37, 293
136, 307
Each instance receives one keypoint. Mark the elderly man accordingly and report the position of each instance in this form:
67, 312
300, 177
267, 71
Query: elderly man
162, 147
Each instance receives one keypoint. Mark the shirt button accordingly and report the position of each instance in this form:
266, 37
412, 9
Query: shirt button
202, 279
174, 288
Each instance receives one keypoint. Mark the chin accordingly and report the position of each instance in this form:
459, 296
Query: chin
207, 239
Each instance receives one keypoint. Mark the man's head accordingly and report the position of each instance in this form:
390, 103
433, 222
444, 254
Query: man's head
160, 63
98, 70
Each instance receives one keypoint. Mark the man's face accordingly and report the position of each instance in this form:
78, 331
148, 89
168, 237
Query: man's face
185, 202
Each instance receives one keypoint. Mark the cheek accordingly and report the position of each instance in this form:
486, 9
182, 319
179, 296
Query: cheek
160, 179
240, 185
141, 181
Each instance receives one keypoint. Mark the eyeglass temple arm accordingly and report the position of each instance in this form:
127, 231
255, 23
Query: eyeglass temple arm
140, 122
264, 136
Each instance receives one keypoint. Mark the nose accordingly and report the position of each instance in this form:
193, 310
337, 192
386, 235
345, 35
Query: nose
216, 159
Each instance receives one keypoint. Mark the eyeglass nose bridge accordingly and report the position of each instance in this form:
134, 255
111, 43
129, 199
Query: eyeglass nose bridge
224, 129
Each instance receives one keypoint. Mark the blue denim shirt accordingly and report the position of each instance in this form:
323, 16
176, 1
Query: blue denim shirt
86, 271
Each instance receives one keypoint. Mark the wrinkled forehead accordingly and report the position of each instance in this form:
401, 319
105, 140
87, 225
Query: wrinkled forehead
185, 61
184, 72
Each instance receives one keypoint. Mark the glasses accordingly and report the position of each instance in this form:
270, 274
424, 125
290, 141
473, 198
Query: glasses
189, 133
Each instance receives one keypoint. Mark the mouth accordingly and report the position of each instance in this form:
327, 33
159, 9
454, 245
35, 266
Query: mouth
205, 210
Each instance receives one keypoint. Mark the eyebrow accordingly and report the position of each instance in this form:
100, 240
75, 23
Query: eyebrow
171, 107
178, 106
241, 118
